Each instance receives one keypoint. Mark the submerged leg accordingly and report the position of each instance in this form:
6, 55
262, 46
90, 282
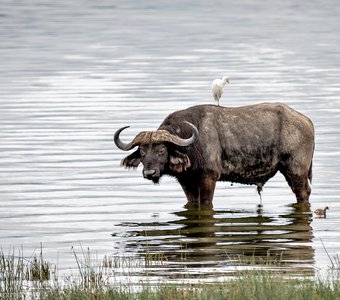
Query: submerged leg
191, 192
207, 189
301, 189
300, 186
202, 191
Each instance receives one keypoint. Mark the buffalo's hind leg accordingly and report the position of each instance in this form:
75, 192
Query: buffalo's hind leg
300, 186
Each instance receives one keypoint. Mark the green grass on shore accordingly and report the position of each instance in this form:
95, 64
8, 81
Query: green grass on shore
35, 278
262, 286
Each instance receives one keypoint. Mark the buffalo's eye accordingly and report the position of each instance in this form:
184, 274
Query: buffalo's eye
142, 152
160, 150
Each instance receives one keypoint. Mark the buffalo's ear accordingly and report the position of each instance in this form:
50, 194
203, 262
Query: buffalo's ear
179, 162
132, 160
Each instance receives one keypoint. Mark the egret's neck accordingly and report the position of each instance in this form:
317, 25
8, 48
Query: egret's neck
225, 80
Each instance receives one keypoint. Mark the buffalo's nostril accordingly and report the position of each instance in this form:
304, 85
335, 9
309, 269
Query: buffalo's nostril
149, 173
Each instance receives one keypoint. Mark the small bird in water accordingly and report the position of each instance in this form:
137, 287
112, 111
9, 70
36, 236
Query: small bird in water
321, 213
217, 88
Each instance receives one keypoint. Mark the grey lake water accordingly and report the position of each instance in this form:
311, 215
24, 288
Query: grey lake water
73, 72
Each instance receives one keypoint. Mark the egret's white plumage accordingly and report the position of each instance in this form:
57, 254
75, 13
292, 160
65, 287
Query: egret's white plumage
217, 88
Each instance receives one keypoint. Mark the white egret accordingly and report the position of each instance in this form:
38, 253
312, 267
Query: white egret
217, 88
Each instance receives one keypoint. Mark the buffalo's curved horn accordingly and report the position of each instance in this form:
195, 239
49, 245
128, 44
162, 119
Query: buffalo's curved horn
165, 136
118, 142
194, 136
141, 138
158, 136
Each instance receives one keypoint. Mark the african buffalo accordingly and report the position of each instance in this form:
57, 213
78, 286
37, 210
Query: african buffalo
208, 143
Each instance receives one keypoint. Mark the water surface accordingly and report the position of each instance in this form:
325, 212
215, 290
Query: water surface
73, 72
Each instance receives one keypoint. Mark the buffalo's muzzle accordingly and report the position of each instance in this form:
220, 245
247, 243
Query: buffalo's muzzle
151, 175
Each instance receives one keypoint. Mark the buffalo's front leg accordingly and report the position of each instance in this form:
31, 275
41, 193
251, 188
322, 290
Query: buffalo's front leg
201, 191
191, 191
207, 189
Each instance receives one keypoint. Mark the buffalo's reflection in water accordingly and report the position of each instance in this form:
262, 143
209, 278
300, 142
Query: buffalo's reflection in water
203, 240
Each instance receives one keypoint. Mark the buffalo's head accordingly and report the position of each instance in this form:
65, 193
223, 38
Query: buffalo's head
156, 153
